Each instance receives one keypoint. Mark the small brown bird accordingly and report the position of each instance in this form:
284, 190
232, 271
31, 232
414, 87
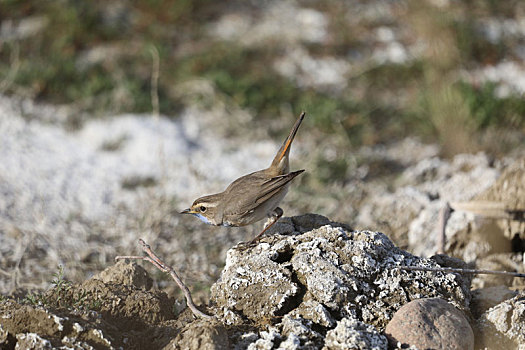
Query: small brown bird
252, 197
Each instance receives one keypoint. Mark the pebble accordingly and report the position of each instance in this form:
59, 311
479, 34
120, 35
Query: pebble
431, 323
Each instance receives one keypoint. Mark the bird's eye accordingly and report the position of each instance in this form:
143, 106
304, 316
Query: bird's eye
202, 208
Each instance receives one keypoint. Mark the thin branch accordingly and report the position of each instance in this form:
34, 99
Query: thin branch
22, 248
13, 70
488, 209
444, 215
462, 271
155, 260
155, 81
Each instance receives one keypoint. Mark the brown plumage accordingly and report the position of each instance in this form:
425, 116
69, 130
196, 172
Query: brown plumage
251, 197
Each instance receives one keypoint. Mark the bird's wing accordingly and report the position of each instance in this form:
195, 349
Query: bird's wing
272, 186
255, 192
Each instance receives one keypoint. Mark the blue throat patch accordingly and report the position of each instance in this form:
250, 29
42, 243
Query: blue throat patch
202, 218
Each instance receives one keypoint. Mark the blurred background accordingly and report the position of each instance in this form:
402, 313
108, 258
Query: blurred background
115, 115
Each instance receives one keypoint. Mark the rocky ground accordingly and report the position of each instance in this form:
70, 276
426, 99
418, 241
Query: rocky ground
311, 284
77, 199
410, 105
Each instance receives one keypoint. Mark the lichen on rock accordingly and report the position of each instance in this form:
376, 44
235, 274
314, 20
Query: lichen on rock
503, 326
320, 273
309, 284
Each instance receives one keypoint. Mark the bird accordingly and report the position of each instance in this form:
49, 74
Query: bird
251, 197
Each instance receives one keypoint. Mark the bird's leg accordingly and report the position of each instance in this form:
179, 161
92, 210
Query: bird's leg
272, 219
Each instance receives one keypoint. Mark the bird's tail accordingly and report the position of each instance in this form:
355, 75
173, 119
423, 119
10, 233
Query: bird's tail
281, 159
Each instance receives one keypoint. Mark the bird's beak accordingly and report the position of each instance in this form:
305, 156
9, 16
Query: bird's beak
187, 211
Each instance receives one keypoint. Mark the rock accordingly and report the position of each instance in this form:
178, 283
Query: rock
503, 326
30, 327
129, 274
394, 212
300, 330
509, 190
464, 177
267, 340
32, 341
512, 262
311, 284
314, 311
495, 227
354, 334
431, 323
305, 282
4, 337
481, 238
486, 298
93, 314
201, 334
409, 212
130, 306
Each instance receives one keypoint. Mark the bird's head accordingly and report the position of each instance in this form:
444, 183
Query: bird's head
205, 208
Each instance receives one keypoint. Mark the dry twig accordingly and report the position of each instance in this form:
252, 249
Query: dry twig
155, 260
458, 270
444, 215
155, 81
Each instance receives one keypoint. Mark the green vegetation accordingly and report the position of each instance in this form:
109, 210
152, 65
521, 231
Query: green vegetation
59, 283
489, 110
35, 299
100, 60
62, 295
